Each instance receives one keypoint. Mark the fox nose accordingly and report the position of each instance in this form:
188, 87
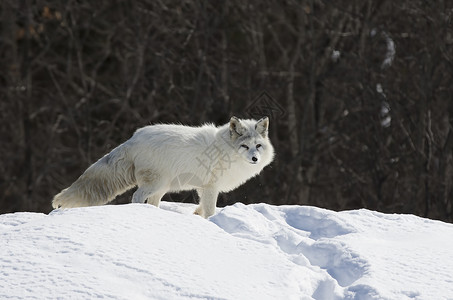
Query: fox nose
254, 159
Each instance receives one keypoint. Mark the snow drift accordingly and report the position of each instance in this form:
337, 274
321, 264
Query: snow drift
243, 252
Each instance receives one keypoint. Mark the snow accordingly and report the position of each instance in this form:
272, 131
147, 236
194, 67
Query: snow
259, 251
391, 51
335, 55
386, 119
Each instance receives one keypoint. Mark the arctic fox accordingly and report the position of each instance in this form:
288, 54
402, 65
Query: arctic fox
171, 158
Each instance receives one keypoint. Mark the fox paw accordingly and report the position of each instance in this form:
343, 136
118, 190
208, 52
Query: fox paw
198, 211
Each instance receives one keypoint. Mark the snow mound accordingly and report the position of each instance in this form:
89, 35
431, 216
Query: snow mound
256, 251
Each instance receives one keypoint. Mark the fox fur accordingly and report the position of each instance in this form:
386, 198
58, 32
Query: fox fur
170, 158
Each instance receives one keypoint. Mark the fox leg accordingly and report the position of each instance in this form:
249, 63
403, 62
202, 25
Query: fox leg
150, 187
149, 194
155, 198
208, 201
139, 195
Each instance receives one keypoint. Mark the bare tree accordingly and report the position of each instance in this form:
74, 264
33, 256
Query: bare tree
360, 93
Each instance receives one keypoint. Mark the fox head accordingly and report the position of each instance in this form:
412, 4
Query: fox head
250, 139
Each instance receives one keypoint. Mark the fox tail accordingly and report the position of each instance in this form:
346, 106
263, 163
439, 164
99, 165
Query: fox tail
110, 176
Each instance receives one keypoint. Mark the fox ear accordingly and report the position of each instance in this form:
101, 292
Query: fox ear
262, 126
236, 128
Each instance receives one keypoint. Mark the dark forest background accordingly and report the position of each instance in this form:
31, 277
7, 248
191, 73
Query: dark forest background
359, 92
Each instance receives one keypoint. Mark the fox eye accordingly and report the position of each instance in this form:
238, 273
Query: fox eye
245, 146
258, 146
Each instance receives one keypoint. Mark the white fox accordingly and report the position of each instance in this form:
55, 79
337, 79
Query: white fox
171, 158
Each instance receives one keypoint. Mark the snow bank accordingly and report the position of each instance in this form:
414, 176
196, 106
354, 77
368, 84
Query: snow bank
243, 252
370, 255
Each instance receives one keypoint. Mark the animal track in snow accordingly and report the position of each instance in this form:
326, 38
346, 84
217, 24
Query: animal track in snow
308, 237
